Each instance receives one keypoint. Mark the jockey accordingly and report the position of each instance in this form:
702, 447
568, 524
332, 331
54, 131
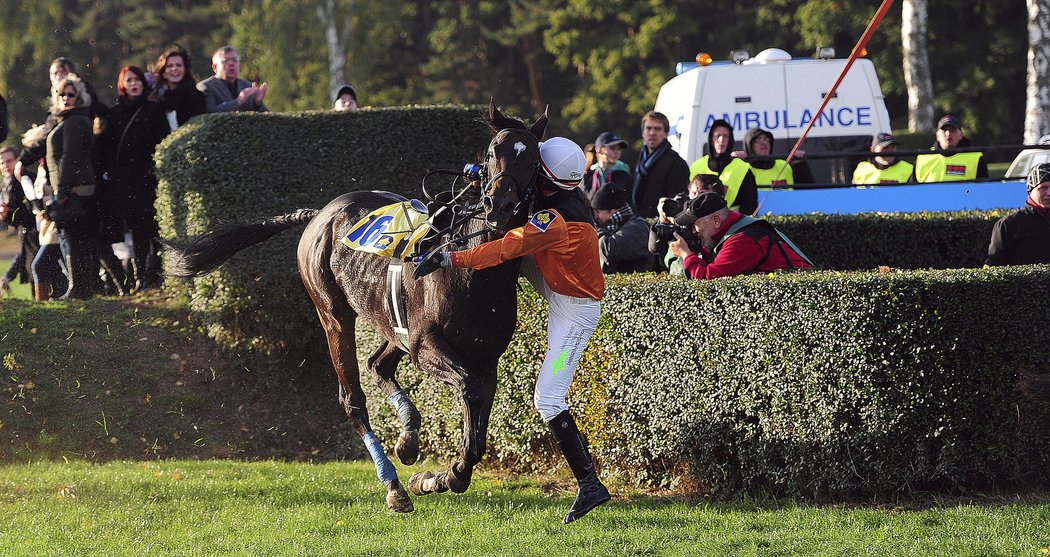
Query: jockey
560, 249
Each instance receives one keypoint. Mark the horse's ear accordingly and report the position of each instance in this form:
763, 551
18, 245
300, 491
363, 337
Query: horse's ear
540, 125
494, 112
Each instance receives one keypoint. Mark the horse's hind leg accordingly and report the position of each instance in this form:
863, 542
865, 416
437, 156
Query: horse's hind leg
343, 348
383, 364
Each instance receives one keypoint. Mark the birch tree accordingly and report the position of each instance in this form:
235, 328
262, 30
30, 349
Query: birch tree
1037, 109
337, 37
917, 65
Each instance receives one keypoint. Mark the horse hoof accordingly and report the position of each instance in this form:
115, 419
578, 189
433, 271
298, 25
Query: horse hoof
398, 500
415, 483
407, 447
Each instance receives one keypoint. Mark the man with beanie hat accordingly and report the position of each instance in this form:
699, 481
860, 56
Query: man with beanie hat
741, 189
623, 246
939, 167
883, 169
731, 243
1023, 238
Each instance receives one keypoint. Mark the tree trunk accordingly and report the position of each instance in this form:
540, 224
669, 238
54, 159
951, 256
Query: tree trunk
337, 40
1037, 108
917, 65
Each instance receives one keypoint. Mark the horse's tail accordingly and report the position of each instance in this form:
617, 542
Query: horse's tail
207, 252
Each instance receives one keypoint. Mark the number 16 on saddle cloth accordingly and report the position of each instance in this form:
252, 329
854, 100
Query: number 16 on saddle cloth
390, 231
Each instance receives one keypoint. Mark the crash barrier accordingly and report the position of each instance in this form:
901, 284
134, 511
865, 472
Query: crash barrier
816, 384
242, 166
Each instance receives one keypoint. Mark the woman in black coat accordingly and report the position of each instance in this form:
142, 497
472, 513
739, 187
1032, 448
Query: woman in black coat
175, 88
71, 170
136, 125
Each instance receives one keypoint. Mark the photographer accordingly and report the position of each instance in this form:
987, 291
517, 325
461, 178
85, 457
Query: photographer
622, 246
730, 243
663, 231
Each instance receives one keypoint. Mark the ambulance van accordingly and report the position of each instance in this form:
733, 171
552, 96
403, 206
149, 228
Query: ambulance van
780, 94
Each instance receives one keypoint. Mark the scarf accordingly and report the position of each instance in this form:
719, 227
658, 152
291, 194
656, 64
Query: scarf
645, 162
171, 98
1044, 211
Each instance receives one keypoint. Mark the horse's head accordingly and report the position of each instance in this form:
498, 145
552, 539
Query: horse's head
511, 163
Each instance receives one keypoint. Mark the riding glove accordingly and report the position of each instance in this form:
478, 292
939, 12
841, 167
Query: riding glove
430, 262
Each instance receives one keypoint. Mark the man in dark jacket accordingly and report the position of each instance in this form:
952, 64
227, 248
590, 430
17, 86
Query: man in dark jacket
1023, 238
16, 212
623, 244
660, 172
225, 91
732, 243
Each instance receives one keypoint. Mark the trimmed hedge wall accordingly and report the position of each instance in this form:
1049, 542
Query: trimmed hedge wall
949, 240
242, 166
811, 384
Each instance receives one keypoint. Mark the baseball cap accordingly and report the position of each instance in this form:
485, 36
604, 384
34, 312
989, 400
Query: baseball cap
699, 207
883, 140
347, 89
608, 197
949, 120
608, 139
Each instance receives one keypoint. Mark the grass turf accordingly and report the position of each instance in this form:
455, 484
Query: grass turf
271, 508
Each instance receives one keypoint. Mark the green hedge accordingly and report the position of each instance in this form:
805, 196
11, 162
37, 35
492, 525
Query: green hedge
811, 384
241, 166
949, 240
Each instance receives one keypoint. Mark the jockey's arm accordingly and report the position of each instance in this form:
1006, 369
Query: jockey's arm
533, 237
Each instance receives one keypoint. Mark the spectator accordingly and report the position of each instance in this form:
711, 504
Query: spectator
136, 126
224, 91
175, 88
563, 266
16, 212
741, 189
345, 99
883, 169
940, 167
622, 247
731, 243
607, 167
34, 145
771, 171
71, 171
1023, 238
660, 172
49, 277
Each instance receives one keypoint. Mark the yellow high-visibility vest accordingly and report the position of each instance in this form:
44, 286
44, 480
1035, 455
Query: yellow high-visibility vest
769, 176
939, 168
732, 176
897, 173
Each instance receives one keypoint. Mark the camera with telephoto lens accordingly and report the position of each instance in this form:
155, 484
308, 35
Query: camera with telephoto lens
674, 205
666, 232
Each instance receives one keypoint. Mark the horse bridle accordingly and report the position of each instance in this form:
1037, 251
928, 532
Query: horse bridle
463, 213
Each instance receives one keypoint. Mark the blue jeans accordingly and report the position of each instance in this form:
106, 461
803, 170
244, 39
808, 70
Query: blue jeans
47, 268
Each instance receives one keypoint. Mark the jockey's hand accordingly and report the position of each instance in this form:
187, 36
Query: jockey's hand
430, 262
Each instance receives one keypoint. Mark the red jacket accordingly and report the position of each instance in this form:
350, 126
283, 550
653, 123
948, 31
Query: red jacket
750, 250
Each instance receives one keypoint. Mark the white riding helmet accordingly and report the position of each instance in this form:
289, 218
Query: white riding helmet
562, 162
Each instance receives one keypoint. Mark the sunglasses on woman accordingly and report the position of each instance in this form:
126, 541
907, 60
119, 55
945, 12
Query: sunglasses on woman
68, 95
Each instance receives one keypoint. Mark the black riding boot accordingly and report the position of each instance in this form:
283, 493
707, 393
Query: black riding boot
592, 493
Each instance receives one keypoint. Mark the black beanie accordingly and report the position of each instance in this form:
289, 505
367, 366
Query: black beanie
1040, 173
608, 197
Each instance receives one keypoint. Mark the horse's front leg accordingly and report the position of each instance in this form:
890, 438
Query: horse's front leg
478, 390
